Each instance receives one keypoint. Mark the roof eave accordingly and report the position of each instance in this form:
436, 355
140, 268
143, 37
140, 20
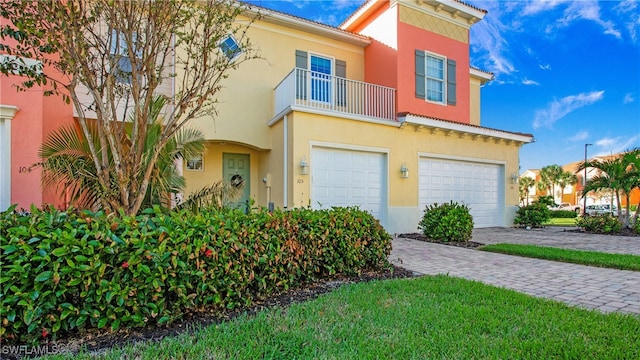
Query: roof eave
293, 22
472, 130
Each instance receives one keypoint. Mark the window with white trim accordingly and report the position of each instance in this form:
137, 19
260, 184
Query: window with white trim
435, 78
230, 48
196, 163
120, 53
321, 78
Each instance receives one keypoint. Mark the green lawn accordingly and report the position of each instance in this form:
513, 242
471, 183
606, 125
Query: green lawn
592, 258
421, 318
562, 222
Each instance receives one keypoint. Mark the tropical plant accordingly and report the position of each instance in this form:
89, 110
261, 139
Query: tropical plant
620, 175
549, 176
213, 196
524, 183
119, 54
565, 179
67, 165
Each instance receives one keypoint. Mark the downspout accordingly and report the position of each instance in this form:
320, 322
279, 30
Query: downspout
285, 162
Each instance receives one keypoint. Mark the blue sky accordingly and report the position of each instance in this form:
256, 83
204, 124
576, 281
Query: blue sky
567, 72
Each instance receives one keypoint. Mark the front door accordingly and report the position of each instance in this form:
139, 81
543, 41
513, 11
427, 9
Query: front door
235, 170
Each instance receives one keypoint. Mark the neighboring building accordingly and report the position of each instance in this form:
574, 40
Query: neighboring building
533, 192
383, 112
573, 193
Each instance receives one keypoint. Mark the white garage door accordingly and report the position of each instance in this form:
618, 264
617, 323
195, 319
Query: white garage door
347, 178
478, 185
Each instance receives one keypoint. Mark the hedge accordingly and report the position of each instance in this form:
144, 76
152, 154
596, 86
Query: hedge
66, 271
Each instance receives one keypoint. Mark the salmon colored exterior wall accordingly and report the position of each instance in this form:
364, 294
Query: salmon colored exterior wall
36, 117
410, 39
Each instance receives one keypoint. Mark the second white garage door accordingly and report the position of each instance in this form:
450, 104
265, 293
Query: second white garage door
478, 185
348, 177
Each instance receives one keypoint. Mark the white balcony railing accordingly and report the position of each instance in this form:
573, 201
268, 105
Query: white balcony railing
330, 93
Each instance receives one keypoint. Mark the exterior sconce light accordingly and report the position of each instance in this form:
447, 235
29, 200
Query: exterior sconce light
404, 171
514, 178
304, 166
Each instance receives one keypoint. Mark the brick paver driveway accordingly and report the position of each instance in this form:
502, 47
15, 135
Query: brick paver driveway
596, 288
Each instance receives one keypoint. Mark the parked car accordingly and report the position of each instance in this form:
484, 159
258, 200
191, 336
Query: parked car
601, 209
567, 206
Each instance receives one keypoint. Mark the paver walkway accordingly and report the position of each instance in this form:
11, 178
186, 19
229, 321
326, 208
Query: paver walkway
603, 289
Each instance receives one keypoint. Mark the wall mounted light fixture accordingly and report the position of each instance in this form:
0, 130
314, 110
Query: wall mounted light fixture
304, 166
514, 178
404, 171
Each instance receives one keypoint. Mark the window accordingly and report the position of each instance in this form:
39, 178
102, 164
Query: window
435, 78
196, 163
120, 54
19, 65
230, 48
320, 78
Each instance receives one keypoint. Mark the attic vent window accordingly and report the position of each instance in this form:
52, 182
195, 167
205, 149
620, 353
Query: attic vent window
230, 48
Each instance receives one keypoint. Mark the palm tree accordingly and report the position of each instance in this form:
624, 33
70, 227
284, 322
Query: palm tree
549, 175
524, 183
67, 163
566, 179
621, 175
632, 159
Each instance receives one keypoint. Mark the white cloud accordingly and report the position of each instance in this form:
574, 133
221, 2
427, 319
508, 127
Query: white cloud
628, 98
489, 43
582, 135
561, 108
526, 81
608, 146
535, 7
545, 67
587, 10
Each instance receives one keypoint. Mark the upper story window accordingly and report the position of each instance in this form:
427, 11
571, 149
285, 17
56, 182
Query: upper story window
321, 71
230, 48
435, 78
16, 65
120, 52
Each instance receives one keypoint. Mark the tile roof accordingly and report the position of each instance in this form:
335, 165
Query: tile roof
465, 124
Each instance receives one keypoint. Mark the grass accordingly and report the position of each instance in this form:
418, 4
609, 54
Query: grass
591, 258
432, 317
562, 222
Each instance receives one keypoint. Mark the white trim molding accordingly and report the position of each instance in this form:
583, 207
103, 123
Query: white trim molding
7, 112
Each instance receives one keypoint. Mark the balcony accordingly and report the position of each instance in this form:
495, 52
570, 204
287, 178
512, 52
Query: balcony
304, 89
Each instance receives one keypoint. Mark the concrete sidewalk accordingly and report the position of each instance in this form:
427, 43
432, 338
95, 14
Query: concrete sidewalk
607, 290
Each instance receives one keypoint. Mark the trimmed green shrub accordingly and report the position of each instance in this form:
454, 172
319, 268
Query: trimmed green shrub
636, 226
533, 215
563, 214
447, 222
600, 224
65, 271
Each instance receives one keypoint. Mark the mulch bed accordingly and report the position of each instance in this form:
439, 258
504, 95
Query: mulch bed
421, 237
96, 341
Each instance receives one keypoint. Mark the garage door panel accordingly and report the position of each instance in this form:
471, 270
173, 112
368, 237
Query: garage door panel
356, 177
478, 185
